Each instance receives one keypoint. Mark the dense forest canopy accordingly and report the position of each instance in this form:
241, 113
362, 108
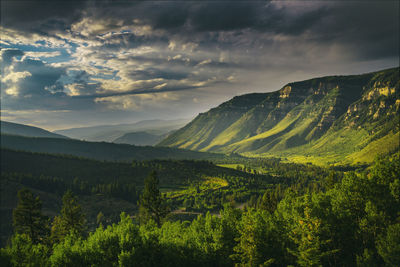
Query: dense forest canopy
350, 221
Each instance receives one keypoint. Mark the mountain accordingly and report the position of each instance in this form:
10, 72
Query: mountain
25, 130
335, 119
139, 139
108, 133
100, 150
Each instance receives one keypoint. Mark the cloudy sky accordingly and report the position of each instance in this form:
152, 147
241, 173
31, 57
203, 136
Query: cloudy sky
79, 63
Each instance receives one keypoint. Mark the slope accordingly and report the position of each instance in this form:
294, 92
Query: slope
100, 150
206, 126
139, 139
25, 130
324, 120
109, 133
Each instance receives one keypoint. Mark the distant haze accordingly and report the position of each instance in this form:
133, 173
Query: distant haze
109, 133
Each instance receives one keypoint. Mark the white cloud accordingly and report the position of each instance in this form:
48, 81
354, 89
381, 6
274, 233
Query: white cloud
204, 62
13, 91
14, 37
37, 55
14, 77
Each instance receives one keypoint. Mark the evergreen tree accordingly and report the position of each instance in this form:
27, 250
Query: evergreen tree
269, 201
28, 218
307, 234
389, 245
152, 204
100, 218
71, 218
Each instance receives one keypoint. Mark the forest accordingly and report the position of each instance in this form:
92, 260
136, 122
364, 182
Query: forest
305, 216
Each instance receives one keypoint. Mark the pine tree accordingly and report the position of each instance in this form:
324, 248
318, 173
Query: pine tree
311, 247
28, 218
71, 218
100, 218
152, 205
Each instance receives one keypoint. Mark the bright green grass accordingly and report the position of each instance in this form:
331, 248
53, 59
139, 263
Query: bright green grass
208, 183
231, 166
347, 146
384, 145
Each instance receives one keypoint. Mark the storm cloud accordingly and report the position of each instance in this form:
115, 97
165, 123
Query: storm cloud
118, 55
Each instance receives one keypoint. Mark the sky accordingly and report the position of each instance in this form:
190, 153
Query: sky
82, 63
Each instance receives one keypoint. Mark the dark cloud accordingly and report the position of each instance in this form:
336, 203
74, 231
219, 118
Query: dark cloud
8, 54
130, 40
370, 30
168, 16
40, 15
137, 92
120, 48
223, 16
370, 26
154, 73
40, 87
42, 76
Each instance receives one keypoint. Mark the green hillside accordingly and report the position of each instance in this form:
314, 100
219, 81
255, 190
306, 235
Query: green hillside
328, 120
100, 150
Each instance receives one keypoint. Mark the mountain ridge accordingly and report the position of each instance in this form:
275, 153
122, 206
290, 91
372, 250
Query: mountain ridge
13, 128
100, 150
139, 139
303, 120
109, 133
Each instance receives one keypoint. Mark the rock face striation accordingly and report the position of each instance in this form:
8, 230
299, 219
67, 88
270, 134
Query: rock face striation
338, 118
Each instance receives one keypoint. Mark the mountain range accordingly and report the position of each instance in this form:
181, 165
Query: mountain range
327, 120
140, 139
114, 133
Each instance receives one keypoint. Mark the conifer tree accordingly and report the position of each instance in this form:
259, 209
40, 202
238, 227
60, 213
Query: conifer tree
307, 235
152, 204
28, 218
71, 218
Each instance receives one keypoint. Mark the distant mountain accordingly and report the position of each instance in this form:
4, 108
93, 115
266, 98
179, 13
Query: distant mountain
109, 133
25, 130
139, 139
101, 150
345, 119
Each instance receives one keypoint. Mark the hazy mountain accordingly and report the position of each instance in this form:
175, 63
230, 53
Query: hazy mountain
139, 139
25, 130
100, 150
109, 133
345, 119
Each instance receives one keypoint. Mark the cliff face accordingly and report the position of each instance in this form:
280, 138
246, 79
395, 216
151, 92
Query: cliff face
342, 117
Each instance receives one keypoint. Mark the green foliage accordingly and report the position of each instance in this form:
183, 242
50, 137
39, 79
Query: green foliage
388, 245
259, 241
307, 234
328, 120
152, 204
103, 186
353, 222
24, 252
71, 219
28, 218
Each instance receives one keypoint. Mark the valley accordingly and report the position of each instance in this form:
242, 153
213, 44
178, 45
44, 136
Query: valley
311, 161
